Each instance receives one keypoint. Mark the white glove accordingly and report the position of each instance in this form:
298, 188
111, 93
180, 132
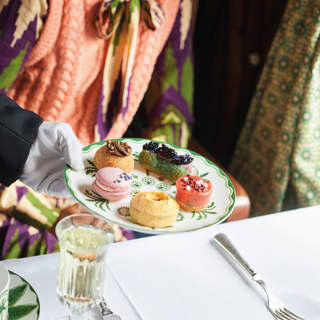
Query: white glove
55, 146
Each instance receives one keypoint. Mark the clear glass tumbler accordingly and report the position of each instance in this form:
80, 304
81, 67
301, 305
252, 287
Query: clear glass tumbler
83, 241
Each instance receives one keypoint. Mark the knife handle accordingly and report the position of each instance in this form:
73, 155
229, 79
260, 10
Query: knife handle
223, 242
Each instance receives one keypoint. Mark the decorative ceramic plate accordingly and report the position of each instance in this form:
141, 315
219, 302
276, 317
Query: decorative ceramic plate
23, 301
219, 208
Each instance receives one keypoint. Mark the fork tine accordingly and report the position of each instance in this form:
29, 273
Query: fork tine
281, 316
293, 315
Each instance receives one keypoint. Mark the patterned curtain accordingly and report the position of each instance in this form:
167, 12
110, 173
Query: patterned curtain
277, 158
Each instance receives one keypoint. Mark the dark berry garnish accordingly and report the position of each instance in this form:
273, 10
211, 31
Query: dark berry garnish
151, 146
175, 159
184, 159
166, 152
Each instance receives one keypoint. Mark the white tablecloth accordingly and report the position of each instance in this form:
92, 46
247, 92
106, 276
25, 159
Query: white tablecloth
183, 277
41, 273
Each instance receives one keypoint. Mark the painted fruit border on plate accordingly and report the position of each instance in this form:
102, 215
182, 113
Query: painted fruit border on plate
219, 208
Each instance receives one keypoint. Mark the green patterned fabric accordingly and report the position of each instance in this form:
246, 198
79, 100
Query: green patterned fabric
168, 102
277, 158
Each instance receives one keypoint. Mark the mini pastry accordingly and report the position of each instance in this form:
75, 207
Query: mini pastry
112, 183
153, 209
193, 193
115, 154
165, 161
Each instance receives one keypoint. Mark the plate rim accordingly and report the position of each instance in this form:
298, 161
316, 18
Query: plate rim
30, 287
149, 230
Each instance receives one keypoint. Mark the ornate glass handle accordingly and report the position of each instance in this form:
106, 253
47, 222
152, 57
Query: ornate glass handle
223, 242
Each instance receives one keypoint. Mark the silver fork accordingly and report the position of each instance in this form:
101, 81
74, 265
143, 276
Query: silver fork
276, 307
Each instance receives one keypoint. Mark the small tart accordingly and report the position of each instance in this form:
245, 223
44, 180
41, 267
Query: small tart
193, 193
154, 209
114, 154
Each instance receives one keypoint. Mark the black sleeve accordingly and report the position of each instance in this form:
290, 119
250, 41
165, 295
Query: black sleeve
18, 130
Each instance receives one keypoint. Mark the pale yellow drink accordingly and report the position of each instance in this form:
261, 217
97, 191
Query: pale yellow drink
82, 263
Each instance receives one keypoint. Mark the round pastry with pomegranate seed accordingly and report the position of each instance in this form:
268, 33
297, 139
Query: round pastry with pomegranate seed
193, 193
112, 183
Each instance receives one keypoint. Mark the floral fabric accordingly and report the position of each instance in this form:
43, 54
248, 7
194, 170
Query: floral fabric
277, 158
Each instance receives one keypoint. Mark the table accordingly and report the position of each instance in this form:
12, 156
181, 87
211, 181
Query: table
41, 272
182, 276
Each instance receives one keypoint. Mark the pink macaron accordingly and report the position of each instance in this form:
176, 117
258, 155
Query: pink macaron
112, 183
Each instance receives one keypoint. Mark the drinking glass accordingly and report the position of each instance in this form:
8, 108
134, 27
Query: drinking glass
83, 241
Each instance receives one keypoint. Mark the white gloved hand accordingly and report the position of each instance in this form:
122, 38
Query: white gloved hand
55, 146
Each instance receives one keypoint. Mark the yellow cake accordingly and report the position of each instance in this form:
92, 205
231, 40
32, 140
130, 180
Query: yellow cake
114, 154
154, 209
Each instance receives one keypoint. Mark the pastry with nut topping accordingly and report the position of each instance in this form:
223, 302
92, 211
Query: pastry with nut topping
116, 154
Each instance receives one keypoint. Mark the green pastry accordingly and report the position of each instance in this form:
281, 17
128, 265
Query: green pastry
160, 160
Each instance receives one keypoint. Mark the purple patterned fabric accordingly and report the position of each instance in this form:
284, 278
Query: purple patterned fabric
104, 122
21, 191
171, 96
19, 242
169, 101
126, 106
14, 50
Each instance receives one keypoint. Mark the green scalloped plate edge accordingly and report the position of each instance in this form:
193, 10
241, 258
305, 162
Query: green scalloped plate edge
31, 288
222, 174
